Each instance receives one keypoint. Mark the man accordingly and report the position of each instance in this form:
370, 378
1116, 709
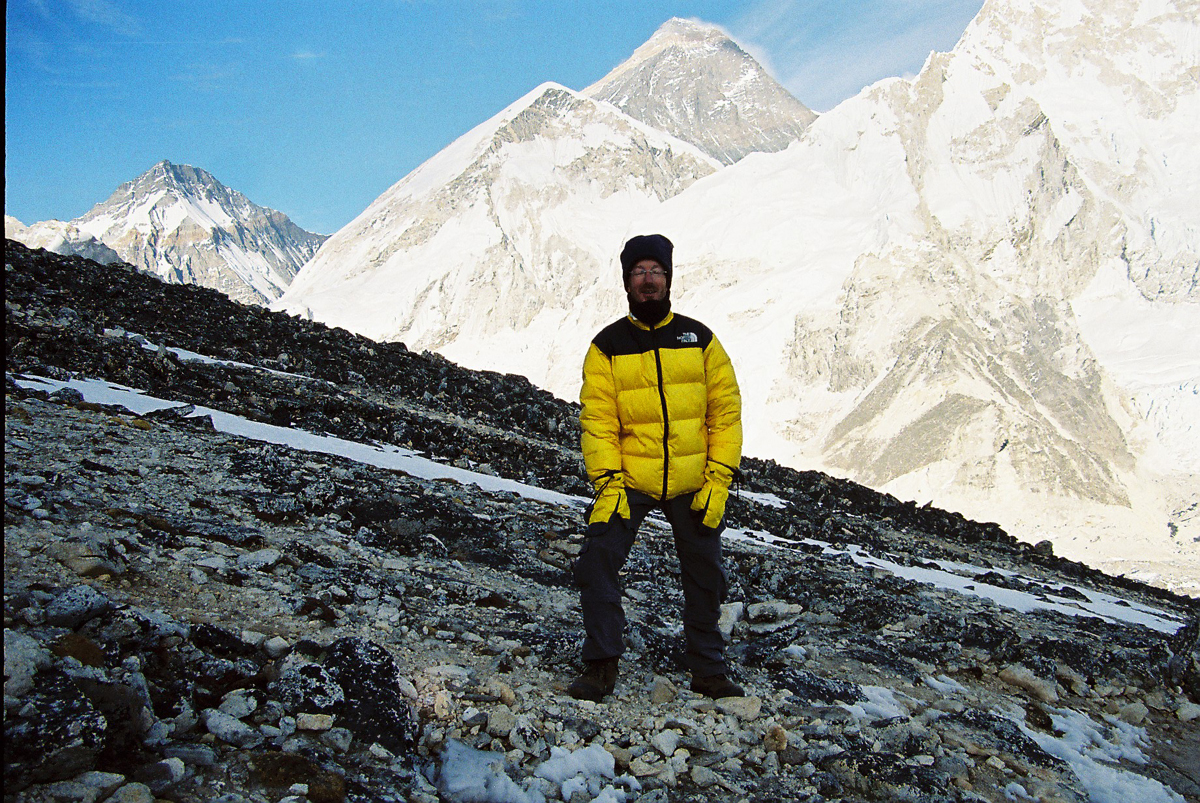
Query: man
661, 429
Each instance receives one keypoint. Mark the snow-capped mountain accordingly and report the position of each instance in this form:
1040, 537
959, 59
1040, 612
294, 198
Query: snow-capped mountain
183, 225
977, 288
60, 237
691, 80
505, 232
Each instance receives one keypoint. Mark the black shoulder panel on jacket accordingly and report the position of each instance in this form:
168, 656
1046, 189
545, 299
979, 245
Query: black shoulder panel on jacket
615, 339
622, 337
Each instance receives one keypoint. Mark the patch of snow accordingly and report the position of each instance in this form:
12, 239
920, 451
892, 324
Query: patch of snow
1092, 750
383, 456
764, 499
468, 775
880, 704
959, 577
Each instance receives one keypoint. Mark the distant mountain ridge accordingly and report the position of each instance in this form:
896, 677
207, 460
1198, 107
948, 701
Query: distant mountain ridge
181, 224
61, 238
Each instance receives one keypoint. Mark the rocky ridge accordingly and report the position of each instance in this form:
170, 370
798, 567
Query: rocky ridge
196, 615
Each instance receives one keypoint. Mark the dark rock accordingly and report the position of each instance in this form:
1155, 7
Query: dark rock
876, 653
312, 606
1006, 735
219, 641
886, 774
282, 770
808, 687
121, 705
163, 775
75, 606
374, 708
199, 755
587, 729
308, 688
225, 532
1182, 668
56, 735
79, 647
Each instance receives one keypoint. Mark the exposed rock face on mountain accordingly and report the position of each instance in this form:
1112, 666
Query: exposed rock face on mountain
694, 82
195, 612
61, 238
978, 287
181, 224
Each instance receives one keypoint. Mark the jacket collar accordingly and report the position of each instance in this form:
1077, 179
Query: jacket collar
659, 325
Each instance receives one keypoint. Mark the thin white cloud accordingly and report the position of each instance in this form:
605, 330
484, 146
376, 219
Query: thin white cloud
207, 77
825, 52
107, 14
306, 55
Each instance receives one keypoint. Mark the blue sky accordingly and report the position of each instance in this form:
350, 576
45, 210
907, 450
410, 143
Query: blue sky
315, 108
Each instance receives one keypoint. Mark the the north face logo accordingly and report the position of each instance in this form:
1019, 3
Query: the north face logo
688, 337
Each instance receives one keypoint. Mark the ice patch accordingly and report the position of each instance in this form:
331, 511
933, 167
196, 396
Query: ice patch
468, 775
880, 704
474, 776
765, 499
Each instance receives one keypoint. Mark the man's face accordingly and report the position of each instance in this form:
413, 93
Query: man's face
647, 281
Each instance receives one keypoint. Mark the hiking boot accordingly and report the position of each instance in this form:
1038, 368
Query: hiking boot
597, 681
717, 686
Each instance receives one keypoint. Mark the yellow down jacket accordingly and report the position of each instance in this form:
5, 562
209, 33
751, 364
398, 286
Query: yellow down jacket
662, 414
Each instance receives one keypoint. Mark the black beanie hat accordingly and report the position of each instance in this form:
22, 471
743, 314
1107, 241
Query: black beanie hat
646, 246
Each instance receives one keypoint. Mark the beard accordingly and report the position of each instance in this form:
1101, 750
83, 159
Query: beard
651, 311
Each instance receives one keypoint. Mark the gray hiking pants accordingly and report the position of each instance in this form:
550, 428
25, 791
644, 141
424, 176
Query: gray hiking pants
701, 574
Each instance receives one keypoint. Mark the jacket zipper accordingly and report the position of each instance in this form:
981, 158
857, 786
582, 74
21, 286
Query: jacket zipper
662, 395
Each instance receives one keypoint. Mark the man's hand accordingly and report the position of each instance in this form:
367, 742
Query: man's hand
709, 503
611, 500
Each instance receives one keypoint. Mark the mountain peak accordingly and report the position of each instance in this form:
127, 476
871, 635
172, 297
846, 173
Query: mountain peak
687, 31
182, 224
693, 81
180, 177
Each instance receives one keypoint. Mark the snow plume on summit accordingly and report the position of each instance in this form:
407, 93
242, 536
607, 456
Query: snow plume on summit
502, 236
694, 82
183, 225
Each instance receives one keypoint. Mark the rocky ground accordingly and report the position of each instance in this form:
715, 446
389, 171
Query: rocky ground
192, 615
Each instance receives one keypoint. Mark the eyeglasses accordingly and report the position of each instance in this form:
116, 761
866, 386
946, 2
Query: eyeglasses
638, 273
